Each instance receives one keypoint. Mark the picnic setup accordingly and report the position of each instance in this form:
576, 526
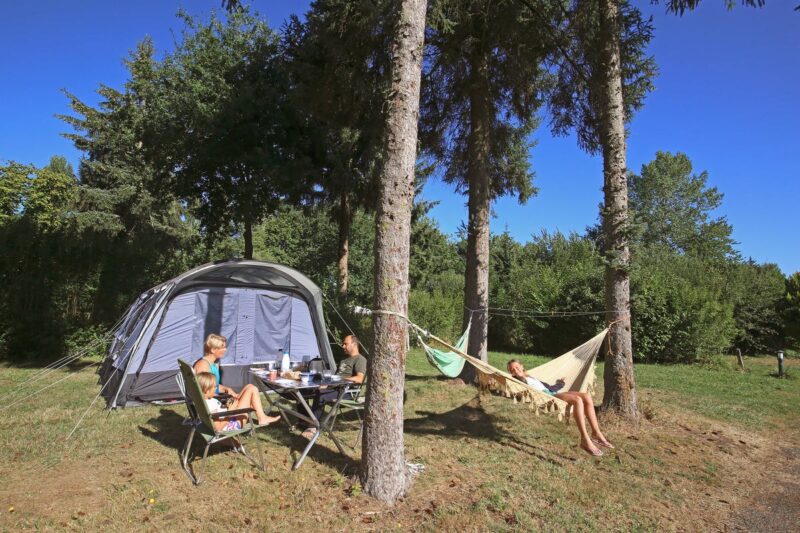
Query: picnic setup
275, 311
298, 390
261, 308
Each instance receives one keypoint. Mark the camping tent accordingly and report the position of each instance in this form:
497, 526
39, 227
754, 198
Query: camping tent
262, 308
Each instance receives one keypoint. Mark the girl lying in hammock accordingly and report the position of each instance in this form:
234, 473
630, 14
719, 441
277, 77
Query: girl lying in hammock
580, 402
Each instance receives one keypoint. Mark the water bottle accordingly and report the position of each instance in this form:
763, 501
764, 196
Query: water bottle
285, 363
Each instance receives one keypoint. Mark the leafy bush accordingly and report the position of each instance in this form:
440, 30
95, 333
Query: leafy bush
790, 311
91, 341
440, 310
553, 273
757, 291
681, 311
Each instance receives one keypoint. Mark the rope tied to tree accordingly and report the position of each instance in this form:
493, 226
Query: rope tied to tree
626, 316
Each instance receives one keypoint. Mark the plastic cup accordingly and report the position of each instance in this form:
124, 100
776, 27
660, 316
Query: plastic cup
273, 375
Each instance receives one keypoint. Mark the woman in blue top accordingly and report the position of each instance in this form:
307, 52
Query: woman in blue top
213, 350
581, 403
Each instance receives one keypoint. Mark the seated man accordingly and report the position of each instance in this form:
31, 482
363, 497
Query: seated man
352, 368
581, 403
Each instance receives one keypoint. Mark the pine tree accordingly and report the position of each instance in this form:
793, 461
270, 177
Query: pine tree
482, 87
384, 474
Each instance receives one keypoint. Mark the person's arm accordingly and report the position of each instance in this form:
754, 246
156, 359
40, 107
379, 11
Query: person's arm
228, 390
201, 365
359, 371
357, 378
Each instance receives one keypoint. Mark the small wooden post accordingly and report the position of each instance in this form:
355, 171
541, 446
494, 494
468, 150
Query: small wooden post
739, 356
780, 364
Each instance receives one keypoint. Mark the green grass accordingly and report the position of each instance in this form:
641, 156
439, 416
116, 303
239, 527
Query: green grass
751, 398
490, 464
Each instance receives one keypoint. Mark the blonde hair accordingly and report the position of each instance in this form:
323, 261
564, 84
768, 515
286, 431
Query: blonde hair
207, 381
511, 362
213, 342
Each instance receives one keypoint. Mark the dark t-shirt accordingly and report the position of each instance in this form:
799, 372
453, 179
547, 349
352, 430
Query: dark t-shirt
351, 366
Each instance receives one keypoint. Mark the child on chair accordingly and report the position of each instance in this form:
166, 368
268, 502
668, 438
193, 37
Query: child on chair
248, 400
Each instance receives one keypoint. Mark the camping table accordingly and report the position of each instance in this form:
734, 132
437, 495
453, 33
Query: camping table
295, 390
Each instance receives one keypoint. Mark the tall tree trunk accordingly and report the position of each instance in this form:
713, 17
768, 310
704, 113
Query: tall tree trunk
345, 220
476, 282
248, 236
383, 469
620, 386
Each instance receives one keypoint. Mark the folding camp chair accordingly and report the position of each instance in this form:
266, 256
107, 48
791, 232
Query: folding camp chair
202, 422
352, 401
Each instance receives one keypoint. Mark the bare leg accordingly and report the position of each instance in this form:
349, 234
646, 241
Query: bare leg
250, 397
588, 407
592, 416
576, 402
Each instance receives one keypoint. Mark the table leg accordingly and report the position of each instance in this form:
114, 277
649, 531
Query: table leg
322, 426
315, 423
325, 424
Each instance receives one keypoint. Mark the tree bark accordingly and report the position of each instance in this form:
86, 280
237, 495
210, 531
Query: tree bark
384, 474
476, 279
345, 220
248, 237
620, 385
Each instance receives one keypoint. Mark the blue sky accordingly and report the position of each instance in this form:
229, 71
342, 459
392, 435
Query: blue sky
727, 96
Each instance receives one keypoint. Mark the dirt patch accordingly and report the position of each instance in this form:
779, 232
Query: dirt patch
715, 476
774, 500
61, 493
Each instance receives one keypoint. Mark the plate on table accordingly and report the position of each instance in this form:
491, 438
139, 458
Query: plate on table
335, 377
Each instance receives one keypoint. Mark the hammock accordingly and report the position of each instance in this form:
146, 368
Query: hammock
449, 363
576, 367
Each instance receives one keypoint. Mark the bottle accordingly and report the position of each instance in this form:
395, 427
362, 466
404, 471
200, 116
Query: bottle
285, 363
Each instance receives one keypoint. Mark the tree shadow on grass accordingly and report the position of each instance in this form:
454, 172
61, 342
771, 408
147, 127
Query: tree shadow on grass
169, 429
468, 420
324, 450
472, 421
413, 377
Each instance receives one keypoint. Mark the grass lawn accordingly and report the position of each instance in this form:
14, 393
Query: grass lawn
707, 437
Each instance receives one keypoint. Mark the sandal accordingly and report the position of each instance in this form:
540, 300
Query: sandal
604, 443
597, 452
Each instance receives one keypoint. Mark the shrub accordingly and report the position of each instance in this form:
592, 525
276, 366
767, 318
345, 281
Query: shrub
681, 311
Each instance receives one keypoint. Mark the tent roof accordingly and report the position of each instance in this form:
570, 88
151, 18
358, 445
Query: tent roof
247, 272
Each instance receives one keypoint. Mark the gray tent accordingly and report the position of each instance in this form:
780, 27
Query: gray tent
262, 308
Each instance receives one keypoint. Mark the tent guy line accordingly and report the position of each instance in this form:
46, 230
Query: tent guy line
60, 363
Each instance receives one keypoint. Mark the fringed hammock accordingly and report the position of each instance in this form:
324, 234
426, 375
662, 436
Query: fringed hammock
576, 367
